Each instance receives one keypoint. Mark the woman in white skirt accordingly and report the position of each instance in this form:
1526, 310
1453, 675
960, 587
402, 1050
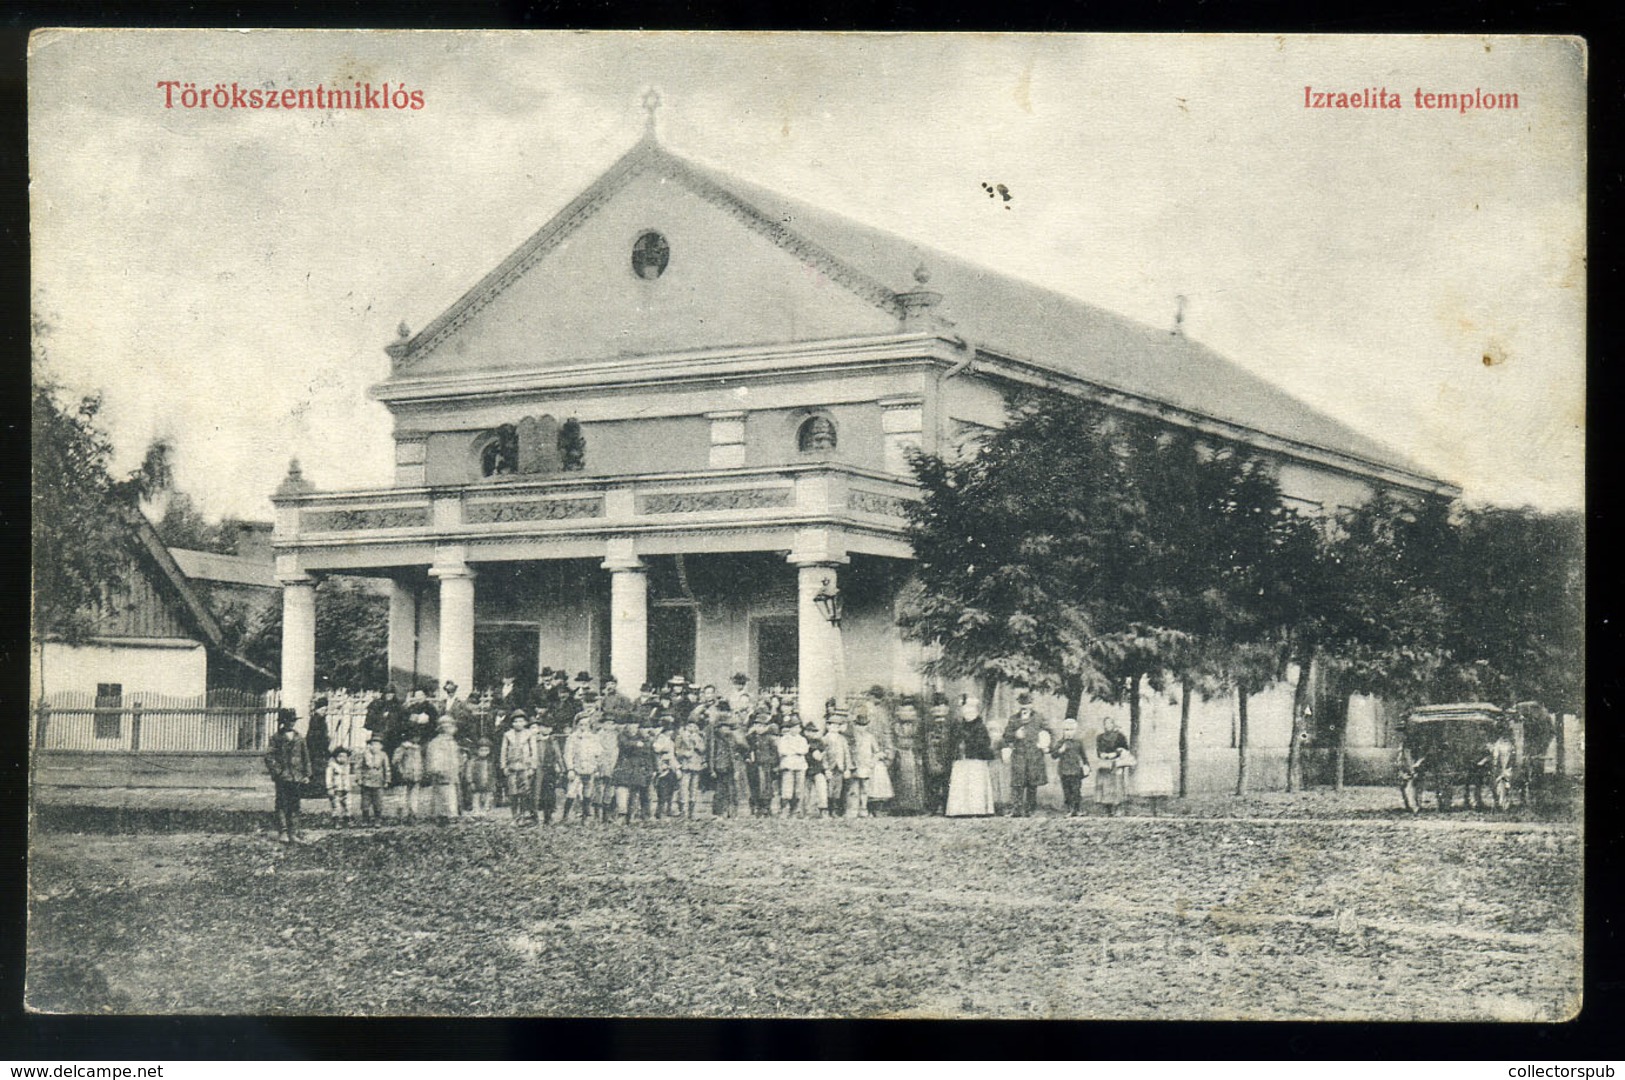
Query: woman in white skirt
970, 785
880, 789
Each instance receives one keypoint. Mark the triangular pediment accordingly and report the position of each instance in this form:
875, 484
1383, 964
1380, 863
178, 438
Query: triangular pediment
594, 283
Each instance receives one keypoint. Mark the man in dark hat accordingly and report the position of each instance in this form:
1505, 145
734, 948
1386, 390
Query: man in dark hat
384, 718
287, 759
617, 706
938, 756
1028, 739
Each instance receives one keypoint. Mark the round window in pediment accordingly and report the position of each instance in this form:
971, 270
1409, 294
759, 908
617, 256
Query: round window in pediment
650, 254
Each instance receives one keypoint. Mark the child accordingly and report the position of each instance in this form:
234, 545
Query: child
817, 786
837, 762
339, 777
373, 776
723, 756
861, 769
549, 765
609, 752
1073, 766
518, 759
442, 762
764, 753
480, 774
690, 763
288, 761
409, 774
793, 768
580, 763
668, 781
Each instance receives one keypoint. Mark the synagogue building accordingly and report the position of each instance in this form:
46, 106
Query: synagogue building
670, 434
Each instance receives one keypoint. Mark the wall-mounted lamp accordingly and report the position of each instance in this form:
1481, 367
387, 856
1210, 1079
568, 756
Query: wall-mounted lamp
830, 603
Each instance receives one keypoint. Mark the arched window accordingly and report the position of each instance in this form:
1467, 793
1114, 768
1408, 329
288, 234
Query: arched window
500, 455
816, 433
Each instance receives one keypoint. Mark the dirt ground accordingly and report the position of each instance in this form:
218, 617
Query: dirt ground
1275, 907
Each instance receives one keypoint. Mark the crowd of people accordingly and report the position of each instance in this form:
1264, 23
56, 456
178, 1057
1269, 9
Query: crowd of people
582, 750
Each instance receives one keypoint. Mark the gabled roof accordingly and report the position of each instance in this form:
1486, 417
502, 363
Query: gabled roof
1000, 314
224, 569
158, 555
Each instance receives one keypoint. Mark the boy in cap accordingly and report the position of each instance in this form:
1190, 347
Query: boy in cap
288, 761
408, 767
580, 763
518, 761
1072, 764
480, 775
690, 763
339, 777
792, 768
723, 757
817, 799
372, 777
549, 766
837, 761
668, 779
609, 752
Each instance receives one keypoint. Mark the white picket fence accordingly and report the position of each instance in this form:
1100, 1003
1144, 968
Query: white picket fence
223, 720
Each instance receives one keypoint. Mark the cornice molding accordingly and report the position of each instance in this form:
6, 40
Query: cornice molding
664, 369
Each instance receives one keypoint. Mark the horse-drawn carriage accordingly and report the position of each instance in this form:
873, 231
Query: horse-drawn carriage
1471, 746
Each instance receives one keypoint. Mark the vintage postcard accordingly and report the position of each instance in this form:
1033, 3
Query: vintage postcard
801, 525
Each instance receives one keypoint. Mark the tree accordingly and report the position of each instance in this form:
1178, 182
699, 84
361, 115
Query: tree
1382, 618
1515, 587
1086, 552
82, 543
352, 634
996, 537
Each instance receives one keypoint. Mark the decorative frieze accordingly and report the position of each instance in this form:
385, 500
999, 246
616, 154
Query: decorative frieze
374, 517
488, 513
699, 502
873, 502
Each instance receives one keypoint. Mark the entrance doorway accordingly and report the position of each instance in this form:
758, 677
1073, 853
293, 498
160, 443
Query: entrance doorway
672, 630
778, 653
505, 652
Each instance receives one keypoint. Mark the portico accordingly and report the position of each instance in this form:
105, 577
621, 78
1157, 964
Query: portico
491, 581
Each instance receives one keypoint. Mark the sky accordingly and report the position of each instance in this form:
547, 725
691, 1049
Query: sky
228, 279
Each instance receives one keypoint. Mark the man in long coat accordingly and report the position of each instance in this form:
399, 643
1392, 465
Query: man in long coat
384, 719
1026, 737
937, 745
287, 759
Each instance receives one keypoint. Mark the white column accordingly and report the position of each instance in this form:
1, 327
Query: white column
456, 624
298, 644
403, 636
821, 654
628, 616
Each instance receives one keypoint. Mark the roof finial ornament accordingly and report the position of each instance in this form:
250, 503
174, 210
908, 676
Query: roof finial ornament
651, 105
922, 274
1179, 316
403, 331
